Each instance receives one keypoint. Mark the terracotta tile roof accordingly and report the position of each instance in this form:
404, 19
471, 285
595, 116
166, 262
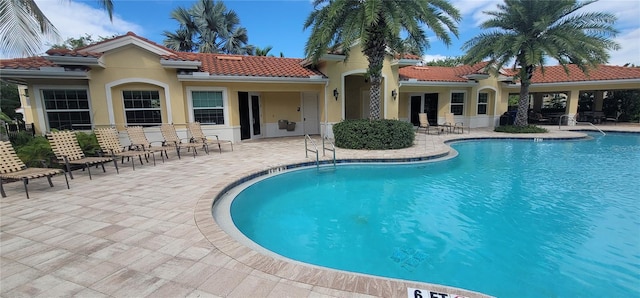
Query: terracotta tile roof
72, 53
440, 73
125, 35
26, 63
557, 74
259, 66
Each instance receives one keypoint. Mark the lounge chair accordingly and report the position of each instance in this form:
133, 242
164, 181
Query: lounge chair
452, 124
110, 144
139, 139
67, 149
424, 122
12, 168
171, 139
197, 136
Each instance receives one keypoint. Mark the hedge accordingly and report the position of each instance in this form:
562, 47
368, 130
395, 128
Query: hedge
373, 134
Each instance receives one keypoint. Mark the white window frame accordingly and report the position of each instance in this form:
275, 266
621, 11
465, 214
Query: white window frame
464, 100
41, 111
159, 109
225, 103
485, 104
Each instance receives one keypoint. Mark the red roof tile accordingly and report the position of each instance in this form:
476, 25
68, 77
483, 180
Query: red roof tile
440, 73
72, 53
557, 74
259, 66
25, 63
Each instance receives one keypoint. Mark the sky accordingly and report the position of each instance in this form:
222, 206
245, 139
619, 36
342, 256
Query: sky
279, 23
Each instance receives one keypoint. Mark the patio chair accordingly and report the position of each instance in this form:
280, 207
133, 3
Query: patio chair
612, 119
424, 122
197, 136
139, 139
452, 124
67, 150
171, 139
12, 168
110, 144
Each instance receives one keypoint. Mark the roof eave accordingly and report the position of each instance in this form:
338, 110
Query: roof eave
181, 64
21, 74
75, 60
579, 83
405, 62
253, 79
437, 83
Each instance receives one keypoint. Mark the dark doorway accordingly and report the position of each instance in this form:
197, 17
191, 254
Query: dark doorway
245, 119
255, 114
416, 103
431, 107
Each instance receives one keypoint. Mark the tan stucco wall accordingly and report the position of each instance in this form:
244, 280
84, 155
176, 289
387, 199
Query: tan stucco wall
133, 65
343, 76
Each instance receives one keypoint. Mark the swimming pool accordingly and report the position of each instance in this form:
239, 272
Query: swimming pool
505, 218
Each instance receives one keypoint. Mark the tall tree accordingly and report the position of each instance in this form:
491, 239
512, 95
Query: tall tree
378, 26
263, 51
24, 28
207, 27
528, 32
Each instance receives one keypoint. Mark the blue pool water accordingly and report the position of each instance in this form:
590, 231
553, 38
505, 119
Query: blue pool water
506, 218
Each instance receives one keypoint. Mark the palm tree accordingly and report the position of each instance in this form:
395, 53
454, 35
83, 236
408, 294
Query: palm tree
207, 27
378, 26
263, 51
24, 28
530, 31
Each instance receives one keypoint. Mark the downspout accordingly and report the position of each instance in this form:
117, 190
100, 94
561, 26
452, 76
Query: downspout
326, 112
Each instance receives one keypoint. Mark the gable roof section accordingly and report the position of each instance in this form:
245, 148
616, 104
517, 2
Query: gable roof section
557, 74
458, 74
255, 66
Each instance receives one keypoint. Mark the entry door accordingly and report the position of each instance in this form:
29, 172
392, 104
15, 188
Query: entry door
431, 107
255, 114
245, 116
416, 108
249, 110
310, 115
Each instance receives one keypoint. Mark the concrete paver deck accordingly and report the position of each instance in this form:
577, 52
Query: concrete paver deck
150, 232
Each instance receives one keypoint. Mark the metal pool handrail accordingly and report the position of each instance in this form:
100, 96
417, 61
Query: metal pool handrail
576, 121
315, 148
333, 149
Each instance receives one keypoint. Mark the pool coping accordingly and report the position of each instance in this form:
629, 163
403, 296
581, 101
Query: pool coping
320, 276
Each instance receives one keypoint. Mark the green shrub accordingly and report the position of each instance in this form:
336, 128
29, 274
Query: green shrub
520, 129
21, 138
89, 143
34, 151
373, 134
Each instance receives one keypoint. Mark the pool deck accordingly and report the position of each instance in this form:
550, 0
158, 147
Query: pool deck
150, 232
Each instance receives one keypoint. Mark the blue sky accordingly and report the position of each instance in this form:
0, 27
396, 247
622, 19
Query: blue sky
280, 23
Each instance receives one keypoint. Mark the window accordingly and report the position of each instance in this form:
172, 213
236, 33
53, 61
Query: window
67, 109
208, 107
457, 103
142, 107
483, 99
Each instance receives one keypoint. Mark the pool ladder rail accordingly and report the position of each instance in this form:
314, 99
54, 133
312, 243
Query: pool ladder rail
578, 122
325, 143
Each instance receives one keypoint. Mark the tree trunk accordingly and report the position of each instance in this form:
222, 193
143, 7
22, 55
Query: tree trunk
375, 50
522, 115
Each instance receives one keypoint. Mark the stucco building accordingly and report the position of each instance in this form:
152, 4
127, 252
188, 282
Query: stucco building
129, 80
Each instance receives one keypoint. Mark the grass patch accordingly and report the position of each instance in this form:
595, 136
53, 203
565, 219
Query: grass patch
520, 129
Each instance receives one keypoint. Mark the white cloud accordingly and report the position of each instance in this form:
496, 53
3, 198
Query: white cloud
75, 19
431, 58
630, 49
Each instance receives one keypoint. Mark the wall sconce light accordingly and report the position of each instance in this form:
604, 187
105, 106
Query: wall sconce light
394, 93
335, 93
